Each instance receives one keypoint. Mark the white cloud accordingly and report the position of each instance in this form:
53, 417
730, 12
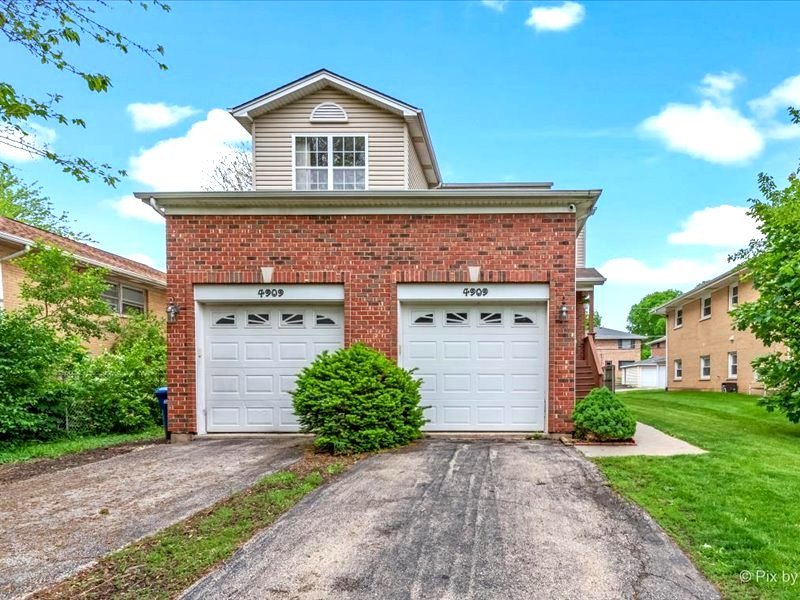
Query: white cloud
11, 142
718, 134
130, 207
719, 86
148, 117
556, 18
497, 5
143, 258
722, 226
674, 272
779, 98
184, 163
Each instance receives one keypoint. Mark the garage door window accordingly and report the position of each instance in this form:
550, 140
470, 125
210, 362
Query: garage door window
522, 319
491, 318
456, 318
323, 320
422, 318
224, 319
292, 319
258, 319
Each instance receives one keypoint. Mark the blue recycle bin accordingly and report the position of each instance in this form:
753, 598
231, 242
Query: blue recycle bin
161, 394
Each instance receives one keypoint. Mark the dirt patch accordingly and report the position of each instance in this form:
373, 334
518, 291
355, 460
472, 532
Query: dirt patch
31, 468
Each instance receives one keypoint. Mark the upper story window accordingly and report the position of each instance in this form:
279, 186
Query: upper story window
123, 299
678, 318
626, 344
733, 296
705, 307
330, 162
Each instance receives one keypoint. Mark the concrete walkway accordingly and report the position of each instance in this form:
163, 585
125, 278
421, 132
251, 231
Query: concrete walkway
649, 442
461, 520
53, 524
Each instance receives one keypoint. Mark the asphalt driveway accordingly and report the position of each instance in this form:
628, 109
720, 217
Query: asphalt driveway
53, 524
473, 519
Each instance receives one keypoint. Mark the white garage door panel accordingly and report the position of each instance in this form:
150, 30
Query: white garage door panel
253, 355
483, 367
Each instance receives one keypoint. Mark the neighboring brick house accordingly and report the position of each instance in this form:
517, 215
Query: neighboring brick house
658, 347
620, 348
133, 286
704, 351
350, 235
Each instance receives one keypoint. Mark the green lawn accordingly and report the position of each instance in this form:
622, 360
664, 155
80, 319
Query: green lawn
12, 453
735, 509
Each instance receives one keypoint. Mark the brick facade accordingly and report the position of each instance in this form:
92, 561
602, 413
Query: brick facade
370, 255
714, 337
609, 351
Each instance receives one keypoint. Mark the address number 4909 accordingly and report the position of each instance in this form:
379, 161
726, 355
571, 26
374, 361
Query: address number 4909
471, 291
270, 293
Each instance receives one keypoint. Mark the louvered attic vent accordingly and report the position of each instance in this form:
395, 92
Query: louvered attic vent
328, 112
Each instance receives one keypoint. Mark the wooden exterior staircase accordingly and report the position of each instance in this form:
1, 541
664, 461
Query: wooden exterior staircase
588, 370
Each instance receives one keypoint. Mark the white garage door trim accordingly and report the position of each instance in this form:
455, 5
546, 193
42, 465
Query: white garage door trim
412, 296
212, 295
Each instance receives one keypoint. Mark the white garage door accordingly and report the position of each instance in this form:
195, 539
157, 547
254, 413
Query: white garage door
252, 356
483, 367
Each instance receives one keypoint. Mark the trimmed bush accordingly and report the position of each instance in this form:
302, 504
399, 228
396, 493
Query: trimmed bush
357, 400
602, 416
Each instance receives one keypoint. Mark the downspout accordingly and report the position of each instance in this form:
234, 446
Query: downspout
16, 254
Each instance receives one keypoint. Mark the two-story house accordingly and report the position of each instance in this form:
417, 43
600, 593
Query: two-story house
132, 286
703, 350
619, 348
350, 235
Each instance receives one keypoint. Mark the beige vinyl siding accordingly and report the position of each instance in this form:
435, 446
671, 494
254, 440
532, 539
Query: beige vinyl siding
272, 139
416, 176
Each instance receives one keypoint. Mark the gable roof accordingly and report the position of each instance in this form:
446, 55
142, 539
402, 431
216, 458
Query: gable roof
605, 333
246, 112
703, 288
25, 235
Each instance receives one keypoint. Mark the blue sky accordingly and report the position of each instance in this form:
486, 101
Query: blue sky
671, 108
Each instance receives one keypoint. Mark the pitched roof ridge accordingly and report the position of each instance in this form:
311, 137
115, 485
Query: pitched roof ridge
83, 250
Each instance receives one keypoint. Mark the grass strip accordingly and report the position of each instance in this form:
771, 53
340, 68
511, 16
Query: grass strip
166, 563
735, 510
22, 451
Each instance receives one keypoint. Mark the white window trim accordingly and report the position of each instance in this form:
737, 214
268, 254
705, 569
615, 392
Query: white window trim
120, 301
330, 156
731, 305
675, 376
675, 318
705, 377
730, 364
710, 309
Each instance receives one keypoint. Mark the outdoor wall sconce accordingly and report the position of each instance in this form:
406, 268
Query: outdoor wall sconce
563, 311
172, 311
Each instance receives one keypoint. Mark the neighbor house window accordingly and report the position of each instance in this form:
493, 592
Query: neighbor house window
123, 299
625, 363
626, 344
733, 296
678, 318
330, 162
705, 307
733, 365
678, 370
705, 367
